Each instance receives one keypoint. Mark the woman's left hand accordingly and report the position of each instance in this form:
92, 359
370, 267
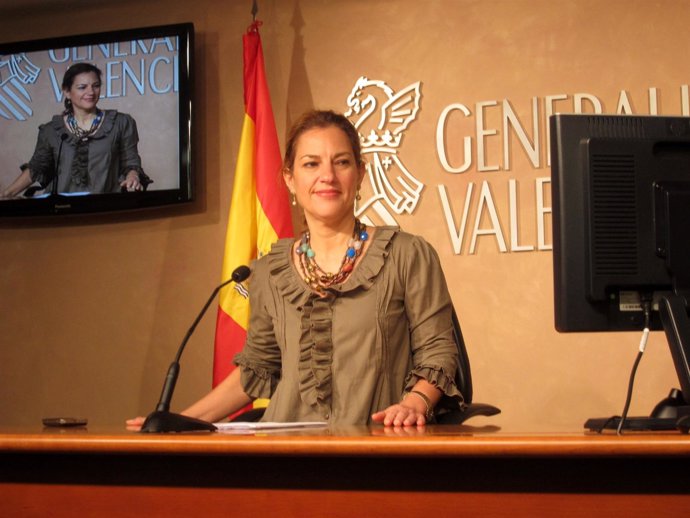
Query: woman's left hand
131, 182
402, 414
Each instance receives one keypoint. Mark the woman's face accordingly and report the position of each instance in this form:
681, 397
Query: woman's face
85, 91
325, 176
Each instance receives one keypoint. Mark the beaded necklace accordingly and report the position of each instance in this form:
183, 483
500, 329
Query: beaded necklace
316, 277
78, 131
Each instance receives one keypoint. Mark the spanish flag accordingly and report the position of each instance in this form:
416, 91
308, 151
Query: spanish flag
259, 208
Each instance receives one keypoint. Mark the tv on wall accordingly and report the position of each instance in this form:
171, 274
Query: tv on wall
145, 94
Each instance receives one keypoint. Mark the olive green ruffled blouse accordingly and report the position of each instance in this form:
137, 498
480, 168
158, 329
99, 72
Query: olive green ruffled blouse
342, 357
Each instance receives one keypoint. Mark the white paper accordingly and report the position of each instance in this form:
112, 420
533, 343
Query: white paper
239, 427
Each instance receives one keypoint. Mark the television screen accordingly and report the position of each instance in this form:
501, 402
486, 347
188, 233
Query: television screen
121, 141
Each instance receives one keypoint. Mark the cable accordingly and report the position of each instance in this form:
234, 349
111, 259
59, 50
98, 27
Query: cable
646, 305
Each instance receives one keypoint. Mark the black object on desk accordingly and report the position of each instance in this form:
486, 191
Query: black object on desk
64, 421
671, 413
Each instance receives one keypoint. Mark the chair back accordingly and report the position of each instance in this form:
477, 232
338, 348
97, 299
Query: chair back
463, 377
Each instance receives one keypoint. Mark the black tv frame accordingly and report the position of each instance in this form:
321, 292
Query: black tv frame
128, 201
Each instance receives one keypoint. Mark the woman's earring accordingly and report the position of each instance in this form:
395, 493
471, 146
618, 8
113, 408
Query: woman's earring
358, 197
294, 200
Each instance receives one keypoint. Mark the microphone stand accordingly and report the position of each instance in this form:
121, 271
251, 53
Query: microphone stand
161, 419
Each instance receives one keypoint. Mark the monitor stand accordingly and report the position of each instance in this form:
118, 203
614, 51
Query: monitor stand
669, 411
665, 416
672, 200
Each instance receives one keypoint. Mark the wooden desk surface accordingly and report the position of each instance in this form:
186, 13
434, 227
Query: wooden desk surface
376, 441
347, 472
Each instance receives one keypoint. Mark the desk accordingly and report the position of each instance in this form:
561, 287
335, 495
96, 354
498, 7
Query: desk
349, 472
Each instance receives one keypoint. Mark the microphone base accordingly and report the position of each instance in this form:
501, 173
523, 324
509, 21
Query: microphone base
166, 422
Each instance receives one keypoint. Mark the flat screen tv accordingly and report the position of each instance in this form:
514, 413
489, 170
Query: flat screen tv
621, 227
146, 73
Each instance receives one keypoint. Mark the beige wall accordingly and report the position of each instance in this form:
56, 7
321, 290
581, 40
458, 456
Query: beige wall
93, 308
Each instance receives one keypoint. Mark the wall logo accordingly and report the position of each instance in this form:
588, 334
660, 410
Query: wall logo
16, 72
381, 117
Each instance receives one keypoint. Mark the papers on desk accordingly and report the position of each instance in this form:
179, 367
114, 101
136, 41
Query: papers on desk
246, 427
77, 193
48, 194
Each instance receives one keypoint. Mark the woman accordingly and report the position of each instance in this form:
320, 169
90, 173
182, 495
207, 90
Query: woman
97, 148
349, 324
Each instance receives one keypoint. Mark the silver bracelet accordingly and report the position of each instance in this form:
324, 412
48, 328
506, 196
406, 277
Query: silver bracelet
429, 415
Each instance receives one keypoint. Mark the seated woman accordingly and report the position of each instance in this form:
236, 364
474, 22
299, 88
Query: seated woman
97, 149
349, 324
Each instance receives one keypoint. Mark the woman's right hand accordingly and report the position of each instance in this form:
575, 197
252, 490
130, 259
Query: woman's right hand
134, 425
18, 184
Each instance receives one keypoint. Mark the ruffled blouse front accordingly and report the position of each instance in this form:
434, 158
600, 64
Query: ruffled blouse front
356, 350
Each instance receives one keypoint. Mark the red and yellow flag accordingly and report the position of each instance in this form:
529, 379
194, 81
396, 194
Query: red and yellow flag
259, 208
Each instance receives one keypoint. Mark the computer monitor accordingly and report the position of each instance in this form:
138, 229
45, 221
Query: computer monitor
621, 226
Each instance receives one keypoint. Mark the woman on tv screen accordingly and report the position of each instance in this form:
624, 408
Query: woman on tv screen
84, 150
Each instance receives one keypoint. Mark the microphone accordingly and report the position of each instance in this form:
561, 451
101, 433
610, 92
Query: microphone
63, 137
161, 419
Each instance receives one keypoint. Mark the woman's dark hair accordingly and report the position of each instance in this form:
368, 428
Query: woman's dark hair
72, 72
320, 119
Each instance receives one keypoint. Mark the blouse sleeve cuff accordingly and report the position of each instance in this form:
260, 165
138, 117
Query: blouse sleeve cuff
256, 382
438, 378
